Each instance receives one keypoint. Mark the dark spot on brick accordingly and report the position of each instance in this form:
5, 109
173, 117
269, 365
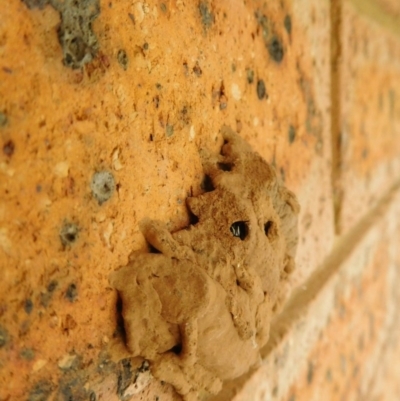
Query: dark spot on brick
3, 119
31, 4
264, 24
103, 186
92, 396
250, 75
27, 354
197, 70
207, 17
28, 306
69, 234
8, 148
275, 391
292, 398
38, 188
163, 7
169, 130
233, 67
45, 297
288, 24
41, 391
158, 86
123, 59
71, 293
72, 389
145, 46
275, 49
291, 134
68, 324
75, 33
4, 337
52, 285
261, 90
219, 96
310, 374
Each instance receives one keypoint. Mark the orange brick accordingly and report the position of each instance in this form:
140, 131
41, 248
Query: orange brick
368, 124
166, 78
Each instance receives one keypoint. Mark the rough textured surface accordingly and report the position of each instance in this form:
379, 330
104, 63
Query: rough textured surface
212, 291
165, 77
369, 122
75, 34
334, 338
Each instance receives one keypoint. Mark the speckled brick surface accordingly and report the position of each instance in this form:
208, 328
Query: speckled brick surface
164, 78
369, 122
104, 107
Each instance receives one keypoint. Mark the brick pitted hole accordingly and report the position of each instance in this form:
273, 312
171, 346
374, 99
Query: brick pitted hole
261, 90
123, 59
69, 234
52, 285
71, 293
275, 49
8, 148
239, 229
207, 17
41, 391
28, 306
103, 186
250, 75
288, 24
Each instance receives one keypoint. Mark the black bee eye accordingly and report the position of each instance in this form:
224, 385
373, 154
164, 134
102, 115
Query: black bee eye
270, 229
239, 229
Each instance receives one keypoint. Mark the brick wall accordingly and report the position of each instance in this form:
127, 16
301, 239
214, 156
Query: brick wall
164, 77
